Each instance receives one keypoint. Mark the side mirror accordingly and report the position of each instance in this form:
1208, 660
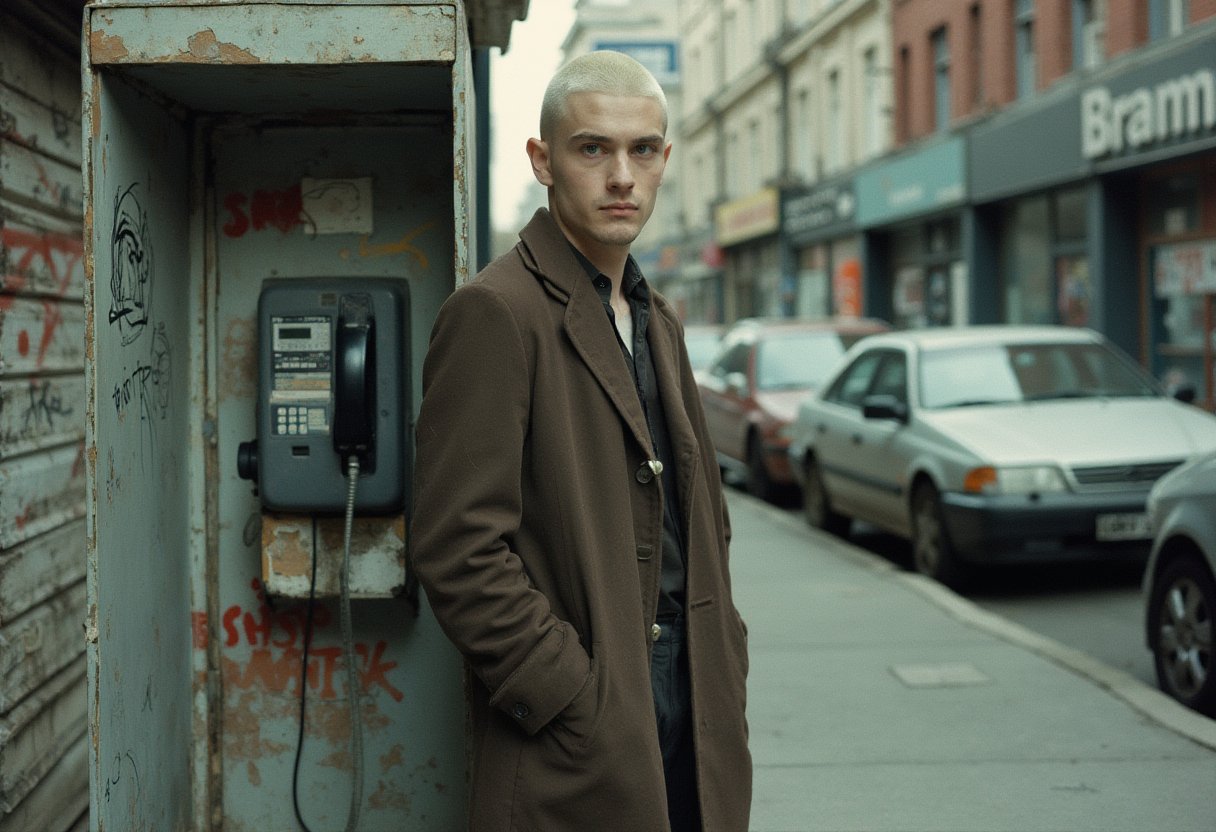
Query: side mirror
884, 406
736, 383
1184, 392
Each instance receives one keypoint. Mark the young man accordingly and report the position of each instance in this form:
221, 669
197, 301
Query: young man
569, 526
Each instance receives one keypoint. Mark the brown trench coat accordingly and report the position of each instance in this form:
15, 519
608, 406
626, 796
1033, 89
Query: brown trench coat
537, 537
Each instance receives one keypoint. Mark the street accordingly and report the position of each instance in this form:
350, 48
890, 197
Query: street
880, 701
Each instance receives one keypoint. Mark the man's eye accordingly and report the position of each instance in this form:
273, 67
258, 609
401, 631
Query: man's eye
591, 149
645, 150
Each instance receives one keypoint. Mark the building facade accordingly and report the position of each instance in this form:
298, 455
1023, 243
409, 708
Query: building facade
938, 162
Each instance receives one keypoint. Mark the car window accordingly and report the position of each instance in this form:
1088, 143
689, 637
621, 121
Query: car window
797, 359
892, 378
1026, 372
734, 360
851, 387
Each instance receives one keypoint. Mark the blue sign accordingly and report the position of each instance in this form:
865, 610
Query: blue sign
928, 180
661, 57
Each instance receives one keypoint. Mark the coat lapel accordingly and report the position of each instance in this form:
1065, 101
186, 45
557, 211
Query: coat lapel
548, 255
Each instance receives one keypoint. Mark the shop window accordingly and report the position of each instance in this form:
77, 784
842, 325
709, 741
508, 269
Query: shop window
1071, 215
1173, 205
1026, 262
1167, 18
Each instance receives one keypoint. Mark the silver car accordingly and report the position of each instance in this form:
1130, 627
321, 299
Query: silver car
992, 444
1179, 588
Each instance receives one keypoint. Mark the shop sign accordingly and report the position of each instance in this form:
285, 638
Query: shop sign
929, 180
1185, 269
661, 57
819, 209
747, 218
1175, 109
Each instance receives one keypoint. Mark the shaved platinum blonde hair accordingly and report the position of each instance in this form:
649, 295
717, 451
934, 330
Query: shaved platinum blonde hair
607, 72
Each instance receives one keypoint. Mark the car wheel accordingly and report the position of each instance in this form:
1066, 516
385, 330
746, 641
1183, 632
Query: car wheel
932, 553
817, 506
758, 482
1180, 629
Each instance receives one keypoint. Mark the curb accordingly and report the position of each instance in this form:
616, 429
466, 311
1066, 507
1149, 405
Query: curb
1146, 700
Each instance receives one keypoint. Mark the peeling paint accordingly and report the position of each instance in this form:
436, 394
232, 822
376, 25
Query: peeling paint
203, 46
106, 49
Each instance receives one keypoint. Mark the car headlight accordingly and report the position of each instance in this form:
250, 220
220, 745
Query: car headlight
1030, 479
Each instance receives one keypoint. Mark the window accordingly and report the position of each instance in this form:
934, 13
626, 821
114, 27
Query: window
904, 126
871, 117
941, 80
1167, 18
753, 158
801, 142
977, 57
1024, 68
1083, 34
853, 384
835, 148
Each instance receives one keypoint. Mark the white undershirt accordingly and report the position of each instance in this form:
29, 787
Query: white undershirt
624, 327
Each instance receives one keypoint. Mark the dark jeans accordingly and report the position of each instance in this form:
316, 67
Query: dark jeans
673, 710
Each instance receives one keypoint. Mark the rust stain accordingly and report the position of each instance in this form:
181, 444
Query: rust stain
394, 757
205, 47
255, 776
107, 49
238, 369
387, 796
243, 729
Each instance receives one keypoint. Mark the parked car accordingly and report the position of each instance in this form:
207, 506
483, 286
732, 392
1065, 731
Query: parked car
703, 342
1179, 583
993, 444
752, 388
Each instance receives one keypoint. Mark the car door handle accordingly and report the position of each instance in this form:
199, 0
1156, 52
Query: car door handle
857, 439
821, 428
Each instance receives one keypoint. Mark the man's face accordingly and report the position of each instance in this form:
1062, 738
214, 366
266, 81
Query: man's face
604, 164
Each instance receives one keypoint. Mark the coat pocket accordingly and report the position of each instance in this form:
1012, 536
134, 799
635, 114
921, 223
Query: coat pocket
574, 728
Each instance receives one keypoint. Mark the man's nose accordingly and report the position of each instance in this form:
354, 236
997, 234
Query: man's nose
620, 172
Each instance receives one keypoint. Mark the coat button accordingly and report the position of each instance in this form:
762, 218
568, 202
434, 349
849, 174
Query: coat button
655, 632
520, 711
648, 470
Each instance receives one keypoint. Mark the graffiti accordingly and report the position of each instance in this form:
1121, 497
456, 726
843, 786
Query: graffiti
44, 405
115, 776
131, 266
148, 385
42, 261
277, 639
283, 210
403, 246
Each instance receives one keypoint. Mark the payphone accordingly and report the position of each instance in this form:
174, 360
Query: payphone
331, 421
332, 386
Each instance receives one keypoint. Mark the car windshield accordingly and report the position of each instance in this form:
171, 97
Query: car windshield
999, 374
799, 359
702, 347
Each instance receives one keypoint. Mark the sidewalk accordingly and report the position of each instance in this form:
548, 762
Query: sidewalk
880, 701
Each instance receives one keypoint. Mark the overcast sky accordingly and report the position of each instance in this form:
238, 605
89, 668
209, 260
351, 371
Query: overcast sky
517, 84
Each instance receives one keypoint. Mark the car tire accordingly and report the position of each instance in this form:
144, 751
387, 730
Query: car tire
932, 553
1180, 612
758, 482
817, 505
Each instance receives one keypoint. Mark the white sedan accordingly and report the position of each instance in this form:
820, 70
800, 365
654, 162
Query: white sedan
992, 444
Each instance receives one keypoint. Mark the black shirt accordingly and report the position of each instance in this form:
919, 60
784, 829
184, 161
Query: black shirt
641, 365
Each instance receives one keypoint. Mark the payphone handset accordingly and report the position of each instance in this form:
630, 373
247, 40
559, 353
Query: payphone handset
333, 382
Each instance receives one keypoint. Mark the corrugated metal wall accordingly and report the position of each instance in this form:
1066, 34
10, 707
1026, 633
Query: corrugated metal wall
43, 755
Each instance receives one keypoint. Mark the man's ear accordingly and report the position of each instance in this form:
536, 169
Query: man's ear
538, 154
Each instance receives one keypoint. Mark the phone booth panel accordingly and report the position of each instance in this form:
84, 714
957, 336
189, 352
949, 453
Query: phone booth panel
230, 147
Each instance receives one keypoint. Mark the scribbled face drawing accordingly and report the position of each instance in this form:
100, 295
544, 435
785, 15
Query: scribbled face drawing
131, 267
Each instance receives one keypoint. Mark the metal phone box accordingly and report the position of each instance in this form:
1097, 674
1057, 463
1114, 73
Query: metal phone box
332, 360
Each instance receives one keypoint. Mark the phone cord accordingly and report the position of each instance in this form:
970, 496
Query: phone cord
348, 653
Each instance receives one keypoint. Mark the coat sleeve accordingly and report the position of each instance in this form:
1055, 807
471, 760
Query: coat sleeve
467, 504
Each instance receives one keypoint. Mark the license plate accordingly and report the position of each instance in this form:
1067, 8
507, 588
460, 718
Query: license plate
1129, 526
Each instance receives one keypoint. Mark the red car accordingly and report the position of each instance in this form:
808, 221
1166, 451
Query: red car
752, 388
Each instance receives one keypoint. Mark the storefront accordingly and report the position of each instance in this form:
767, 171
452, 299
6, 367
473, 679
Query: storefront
1096, 206
911, 210
823, 250
746, 231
